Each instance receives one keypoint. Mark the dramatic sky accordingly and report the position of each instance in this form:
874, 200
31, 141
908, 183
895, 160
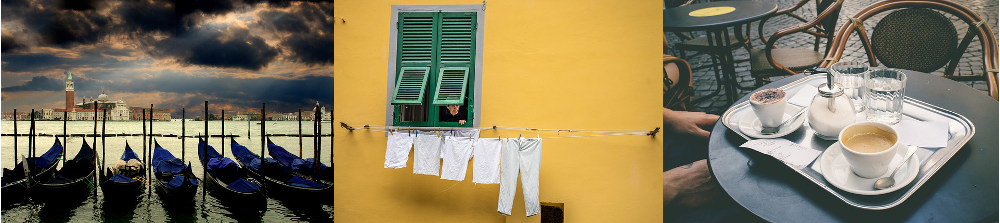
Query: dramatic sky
236, 54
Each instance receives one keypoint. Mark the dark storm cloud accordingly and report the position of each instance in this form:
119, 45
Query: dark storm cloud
240, 92
38, 83
215, 47
65, 28
147, 17
310, 26
283, 21
79, 4
37, 62
311, 48
9, 44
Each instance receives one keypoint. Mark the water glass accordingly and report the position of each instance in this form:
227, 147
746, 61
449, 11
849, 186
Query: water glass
851, 75
884, 95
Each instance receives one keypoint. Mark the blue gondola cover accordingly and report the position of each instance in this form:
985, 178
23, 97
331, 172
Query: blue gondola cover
242, 185
223, 167
129, 154
45, 160
250, 161
120, 178
303, 182
178, 181
163, 161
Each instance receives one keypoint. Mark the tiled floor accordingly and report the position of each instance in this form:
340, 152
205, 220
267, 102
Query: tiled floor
971, 63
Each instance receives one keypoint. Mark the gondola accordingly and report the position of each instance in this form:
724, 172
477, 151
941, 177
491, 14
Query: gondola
124, 180
172, 178
74, 181
280, 182
226, 179
18, 182
298, 165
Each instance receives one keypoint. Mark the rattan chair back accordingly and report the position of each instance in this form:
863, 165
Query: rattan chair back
914, 39
899, 43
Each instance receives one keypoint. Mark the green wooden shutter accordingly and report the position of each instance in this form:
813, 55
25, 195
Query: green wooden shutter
410, 86
452, 82
457, 38
456, 54
416, 38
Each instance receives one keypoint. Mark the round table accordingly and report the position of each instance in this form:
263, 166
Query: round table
715, 18
963, 190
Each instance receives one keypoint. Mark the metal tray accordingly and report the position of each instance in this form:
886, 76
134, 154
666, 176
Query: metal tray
960, 131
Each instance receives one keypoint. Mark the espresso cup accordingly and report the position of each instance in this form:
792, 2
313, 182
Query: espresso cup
769, 106
869, 147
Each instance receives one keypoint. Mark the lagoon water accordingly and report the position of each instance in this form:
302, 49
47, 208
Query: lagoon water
150, 208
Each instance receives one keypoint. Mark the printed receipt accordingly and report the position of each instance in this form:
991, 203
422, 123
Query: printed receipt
788, 152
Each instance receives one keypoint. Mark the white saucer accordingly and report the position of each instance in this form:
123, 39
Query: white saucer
749, 124
838, 172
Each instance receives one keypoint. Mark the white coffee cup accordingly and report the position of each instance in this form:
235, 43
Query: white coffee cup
869, 147
769, 111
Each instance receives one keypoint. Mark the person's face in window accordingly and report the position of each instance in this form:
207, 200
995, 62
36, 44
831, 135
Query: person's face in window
453, 109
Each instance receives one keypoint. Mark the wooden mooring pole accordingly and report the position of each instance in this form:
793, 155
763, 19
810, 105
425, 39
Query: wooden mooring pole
182, 135
222, 132
15, 136
263, 117
65, 143
300, 132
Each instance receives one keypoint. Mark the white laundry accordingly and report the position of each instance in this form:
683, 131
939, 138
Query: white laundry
397, 150
522, 155
474, 133
427, 154
486, 161
457, 151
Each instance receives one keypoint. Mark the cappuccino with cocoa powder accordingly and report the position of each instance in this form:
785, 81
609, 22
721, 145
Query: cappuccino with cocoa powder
769, 106
768, 96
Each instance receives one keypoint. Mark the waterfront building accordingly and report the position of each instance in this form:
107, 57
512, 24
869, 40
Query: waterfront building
117, 110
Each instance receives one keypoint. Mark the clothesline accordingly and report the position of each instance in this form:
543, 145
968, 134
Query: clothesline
627, 131
550, 137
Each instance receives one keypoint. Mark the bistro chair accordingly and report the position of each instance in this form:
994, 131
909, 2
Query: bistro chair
677, 82
914, 37
677, 90
772, 61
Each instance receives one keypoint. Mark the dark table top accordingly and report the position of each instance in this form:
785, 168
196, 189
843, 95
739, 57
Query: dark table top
965, 189
680, 19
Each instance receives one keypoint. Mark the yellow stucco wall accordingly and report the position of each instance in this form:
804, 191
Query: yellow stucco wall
546, 64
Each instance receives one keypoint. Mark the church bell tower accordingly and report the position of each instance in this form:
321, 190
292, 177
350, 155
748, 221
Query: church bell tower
69, 91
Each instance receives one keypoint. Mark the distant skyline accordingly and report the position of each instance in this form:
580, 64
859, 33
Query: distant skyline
236, 54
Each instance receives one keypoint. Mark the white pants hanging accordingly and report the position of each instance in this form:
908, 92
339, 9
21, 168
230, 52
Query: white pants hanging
427, 154
457, 151
522, 155
486, 161
397, 150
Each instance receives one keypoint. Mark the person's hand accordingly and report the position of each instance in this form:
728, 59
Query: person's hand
689, 123
690, 185
461, 122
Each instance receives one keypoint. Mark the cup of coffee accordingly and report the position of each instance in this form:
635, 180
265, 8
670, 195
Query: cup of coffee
769, 106
869, 147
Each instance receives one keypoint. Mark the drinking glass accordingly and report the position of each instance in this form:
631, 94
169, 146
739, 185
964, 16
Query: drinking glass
851, 75
884, 95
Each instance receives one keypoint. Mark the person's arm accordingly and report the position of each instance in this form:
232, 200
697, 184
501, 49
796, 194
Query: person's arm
688, 123
689, 185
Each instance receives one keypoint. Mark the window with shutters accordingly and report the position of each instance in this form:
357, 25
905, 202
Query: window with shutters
435, 69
